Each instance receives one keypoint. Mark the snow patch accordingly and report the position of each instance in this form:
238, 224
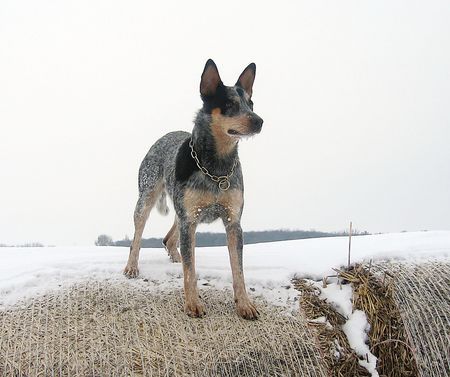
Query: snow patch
338, 295
356, 329
356, 326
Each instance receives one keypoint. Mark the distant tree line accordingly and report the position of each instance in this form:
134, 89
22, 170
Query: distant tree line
30, 244
220, 239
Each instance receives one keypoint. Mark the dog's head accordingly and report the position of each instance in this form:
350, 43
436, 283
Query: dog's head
230, 107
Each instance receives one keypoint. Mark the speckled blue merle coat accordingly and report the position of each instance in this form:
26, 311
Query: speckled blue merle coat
170, 168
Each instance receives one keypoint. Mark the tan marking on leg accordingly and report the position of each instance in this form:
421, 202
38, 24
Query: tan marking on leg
192, 305
245, 308
238, 278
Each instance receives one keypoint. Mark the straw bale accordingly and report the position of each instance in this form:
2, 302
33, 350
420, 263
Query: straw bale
422, 295
375, 297
118, 329
340, 359
408, 308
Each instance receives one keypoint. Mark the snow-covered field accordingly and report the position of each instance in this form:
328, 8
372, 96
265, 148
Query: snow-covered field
269, 267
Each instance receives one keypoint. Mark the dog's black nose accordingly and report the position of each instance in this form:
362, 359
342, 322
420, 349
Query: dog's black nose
257, 123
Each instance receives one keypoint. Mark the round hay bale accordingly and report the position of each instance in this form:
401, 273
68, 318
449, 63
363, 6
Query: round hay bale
122, 329
408, 307
422, 294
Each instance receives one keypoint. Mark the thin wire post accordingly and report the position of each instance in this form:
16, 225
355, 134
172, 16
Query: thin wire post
349, 244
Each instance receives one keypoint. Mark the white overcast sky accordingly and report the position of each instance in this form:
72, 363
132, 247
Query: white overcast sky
355, 96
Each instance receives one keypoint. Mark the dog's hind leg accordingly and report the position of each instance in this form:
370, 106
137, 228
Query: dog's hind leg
144, 205
170, 242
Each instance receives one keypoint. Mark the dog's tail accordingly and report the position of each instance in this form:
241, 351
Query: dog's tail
161, 206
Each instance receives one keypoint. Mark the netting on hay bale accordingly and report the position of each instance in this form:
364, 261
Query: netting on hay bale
102, 329
408, 308
422, 294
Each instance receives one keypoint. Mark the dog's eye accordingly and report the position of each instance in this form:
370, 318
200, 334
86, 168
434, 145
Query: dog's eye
250, 103
232, 106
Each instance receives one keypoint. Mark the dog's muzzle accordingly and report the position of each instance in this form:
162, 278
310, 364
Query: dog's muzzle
257, 123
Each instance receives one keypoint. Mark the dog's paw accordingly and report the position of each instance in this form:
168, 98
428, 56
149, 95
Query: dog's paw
247, 310
194, 309
131, 272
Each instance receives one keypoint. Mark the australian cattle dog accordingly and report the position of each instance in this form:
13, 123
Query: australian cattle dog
202, 175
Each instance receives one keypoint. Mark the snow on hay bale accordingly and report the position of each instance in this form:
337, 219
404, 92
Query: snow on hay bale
101, 329
105, 329
408, 308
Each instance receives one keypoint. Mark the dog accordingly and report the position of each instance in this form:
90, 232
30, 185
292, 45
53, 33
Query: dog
202, 175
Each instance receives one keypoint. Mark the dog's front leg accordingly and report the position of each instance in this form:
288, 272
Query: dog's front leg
192, 305
246, 309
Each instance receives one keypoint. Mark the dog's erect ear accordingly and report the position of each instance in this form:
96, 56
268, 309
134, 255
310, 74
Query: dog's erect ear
210, 79
247, 78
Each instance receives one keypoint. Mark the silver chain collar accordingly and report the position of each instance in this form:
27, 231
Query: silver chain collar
222, 180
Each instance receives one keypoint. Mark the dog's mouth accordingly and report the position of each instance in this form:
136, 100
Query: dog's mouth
240, 135
232, 132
